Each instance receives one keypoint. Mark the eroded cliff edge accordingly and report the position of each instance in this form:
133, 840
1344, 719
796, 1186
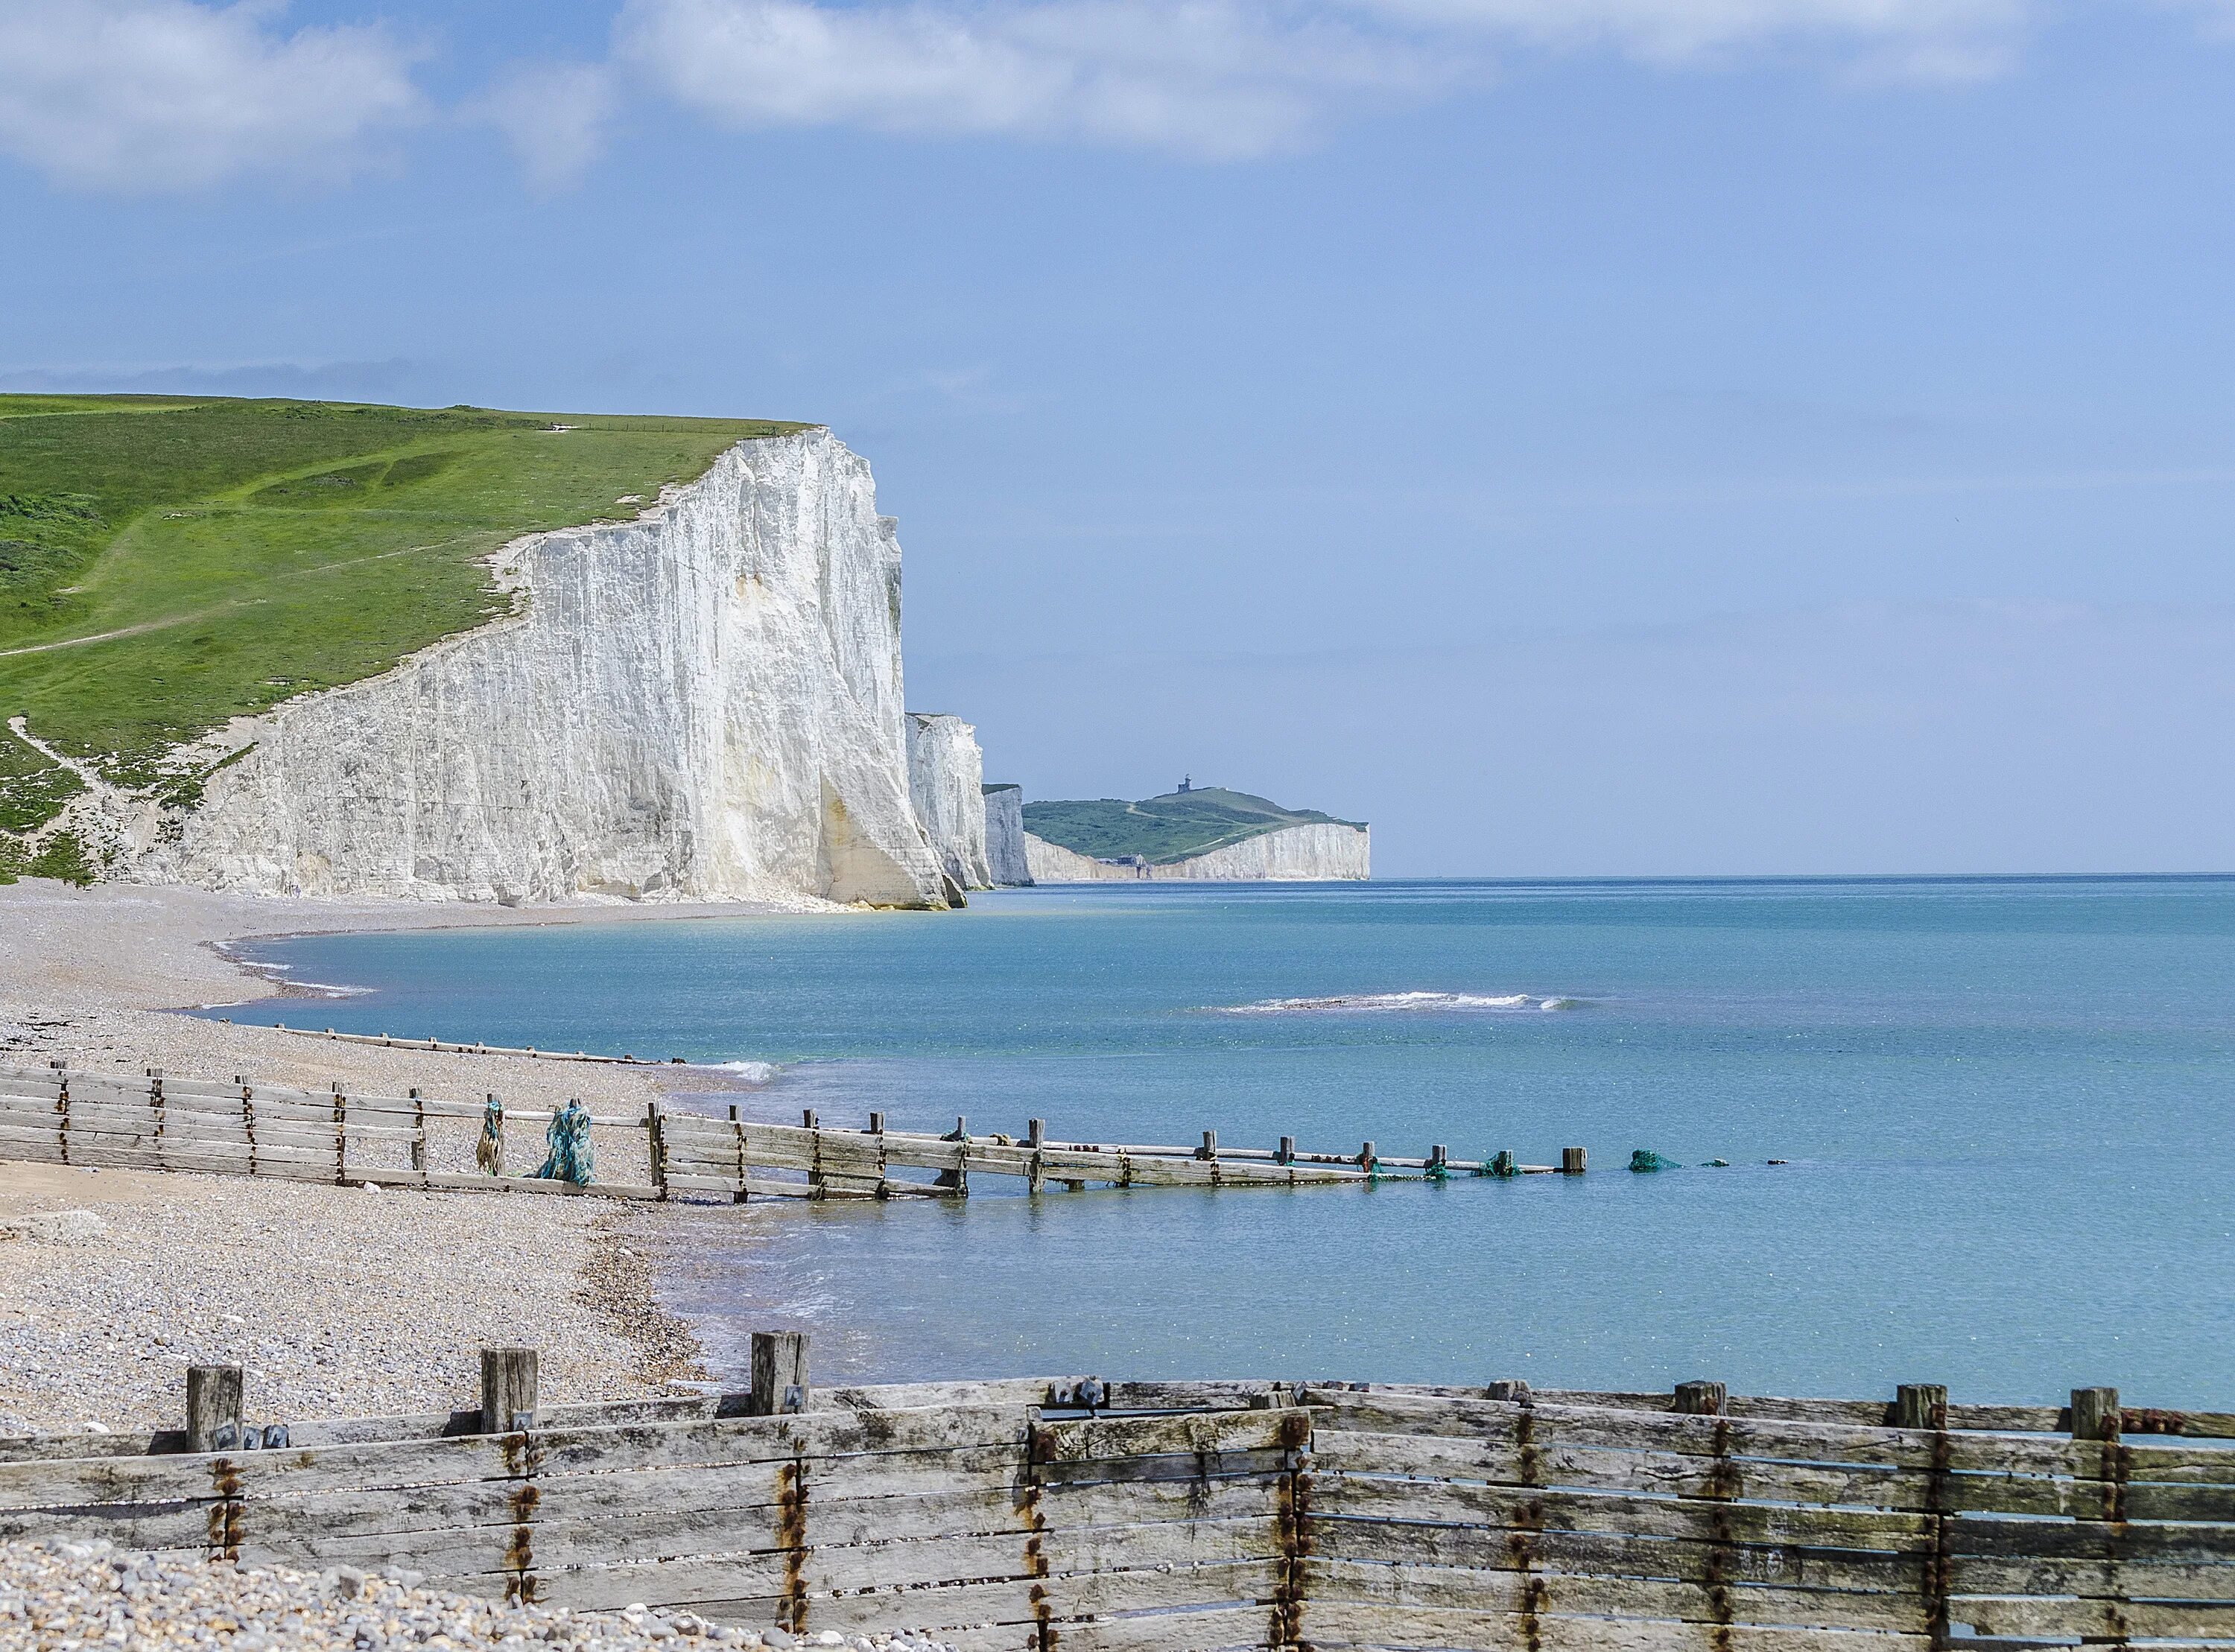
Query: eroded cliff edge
946, 776
701, 704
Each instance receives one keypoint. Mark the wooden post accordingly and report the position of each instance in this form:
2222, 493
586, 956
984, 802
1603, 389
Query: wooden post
1921, 1405
62, 1117
1209, 1148
248, 1122
1286, 1153
2096, 1413
1365, 1157
656, 1146
1439, 1158
1572, 1161
957, 1179
418, 1131
213, 1394
1701, 1399
341, 1134
737, 1129
779, 1373
876, 1123
816, 1187
156, 1103
509, 1382
1035, 1139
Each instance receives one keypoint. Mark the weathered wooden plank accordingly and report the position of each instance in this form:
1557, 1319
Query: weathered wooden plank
1192, 1433
1667, 1473
1327, 1581
1021, 1599
1988, 1538
1233, 1396
893, 1396
2142, 1580
1693, 1561
1170, 1553
136, 1526
2096, 1618
1342, 1623
1779, 1438
1455, 1503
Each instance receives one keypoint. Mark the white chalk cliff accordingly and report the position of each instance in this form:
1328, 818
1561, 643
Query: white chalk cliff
1297, 853
703, 704
1005, 835
946, 780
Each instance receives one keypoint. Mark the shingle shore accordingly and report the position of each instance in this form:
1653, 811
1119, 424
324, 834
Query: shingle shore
338, 1301
90, 1595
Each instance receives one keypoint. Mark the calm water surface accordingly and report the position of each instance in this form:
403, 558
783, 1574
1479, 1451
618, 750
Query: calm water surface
2006, 1104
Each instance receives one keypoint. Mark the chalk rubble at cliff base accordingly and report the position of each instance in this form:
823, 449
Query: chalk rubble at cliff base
93, 1594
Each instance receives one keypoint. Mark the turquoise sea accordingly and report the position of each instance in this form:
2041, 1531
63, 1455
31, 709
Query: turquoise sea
2008, 1106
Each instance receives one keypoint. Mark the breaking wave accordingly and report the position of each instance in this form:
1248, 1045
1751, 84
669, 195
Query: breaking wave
751, 1072
1401, 1000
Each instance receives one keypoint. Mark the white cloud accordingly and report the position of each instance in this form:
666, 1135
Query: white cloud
555, 115
1224, 79
1228, 78
165, 95
1930, 33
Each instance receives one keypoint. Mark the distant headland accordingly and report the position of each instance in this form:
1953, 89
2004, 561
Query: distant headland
1196, 832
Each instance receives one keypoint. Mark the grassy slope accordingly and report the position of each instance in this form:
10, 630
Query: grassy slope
258, 550
1165, 829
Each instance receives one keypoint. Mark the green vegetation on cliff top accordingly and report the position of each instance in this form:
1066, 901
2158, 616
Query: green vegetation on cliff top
168, 563
1162, 830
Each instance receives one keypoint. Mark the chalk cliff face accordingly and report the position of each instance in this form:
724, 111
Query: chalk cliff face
1051, 862
1297, 853
1004, 835
947, 777
703, 704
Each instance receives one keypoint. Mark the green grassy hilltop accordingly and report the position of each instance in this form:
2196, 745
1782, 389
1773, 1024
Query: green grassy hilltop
168, 564
1162, 830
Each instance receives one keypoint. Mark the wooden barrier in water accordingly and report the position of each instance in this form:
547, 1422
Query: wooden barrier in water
1104, 1516
453, 1047
154, 1121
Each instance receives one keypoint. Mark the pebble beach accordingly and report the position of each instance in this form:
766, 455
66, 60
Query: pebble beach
87, 1595
338, 1301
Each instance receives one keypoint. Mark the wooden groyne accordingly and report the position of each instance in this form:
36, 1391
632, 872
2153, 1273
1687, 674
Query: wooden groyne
154, 1121
1108, 1516
453, 1047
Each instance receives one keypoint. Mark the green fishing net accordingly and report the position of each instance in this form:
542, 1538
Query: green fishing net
1645, 1159
1503, 1167
571, 1158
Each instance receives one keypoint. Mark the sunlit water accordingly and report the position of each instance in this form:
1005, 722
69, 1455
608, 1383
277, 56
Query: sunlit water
2006, 1105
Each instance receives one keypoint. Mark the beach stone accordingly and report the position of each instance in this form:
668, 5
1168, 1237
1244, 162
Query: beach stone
63, 1227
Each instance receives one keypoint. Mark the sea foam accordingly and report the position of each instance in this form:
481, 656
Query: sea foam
1401, 1000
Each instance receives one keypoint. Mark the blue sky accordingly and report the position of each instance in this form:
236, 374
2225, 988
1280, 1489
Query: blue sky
1581, 436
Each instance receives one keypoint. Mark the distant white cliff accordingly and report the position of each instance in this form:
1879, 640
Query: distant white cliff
1301, 852
946, 780
1005, 852
703, 704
